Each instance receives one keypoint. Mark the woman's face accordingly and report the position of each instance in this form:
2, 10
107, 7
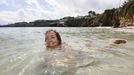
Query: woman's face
51, 40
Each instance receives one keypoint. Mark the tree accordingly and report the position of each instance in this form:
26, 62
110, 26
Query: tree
91, 13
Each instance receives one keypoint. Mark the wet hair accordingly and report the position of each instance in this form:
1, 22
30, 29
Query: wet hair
57, 35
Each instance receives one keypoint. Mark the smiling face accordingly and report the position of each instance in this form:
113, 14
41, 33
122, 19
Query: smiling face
52, 40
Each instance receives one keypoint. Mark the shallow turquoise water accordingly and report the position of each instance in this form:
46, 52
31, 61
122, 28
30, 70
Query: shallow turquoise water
22, 50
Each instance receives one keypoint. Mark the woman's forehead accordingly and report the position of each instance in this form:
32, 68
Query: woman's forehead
51, 33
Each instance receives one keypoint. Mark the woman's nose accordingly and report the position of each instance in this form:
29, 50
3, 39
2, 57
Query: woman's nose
49, 40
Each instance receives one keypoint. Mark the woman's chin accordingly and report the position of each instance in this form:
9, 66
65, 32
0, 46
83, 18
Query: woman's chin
52, 47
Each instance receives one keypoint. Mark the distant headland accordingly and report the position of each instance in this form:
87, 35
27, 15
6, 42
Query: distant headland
116, 17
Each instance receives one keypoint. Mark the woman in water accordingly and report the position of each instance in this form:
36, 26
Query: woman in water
57, 58
53, 42
62, 55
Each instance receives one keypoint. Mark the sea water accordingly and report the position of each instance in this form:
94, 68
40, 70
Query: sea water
23, 52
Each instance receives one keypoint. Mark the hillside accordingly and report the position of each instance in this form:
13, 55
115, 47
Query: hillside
116, 17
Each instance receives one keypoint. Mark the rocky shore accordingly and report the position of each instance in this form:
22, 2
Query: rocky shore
116, 17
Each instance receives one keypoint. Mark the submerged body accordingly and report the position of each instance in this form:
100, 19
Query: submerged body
58, 55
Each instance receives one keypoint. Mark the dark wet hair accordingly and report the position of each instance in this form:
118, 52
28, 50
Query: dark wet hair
57, 35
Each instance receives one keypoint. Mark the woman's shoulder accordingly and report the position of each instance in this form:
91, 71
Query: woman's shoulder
66, 46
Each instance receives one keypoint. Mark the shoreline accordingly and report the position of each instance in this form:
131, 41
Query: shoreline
129, 29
